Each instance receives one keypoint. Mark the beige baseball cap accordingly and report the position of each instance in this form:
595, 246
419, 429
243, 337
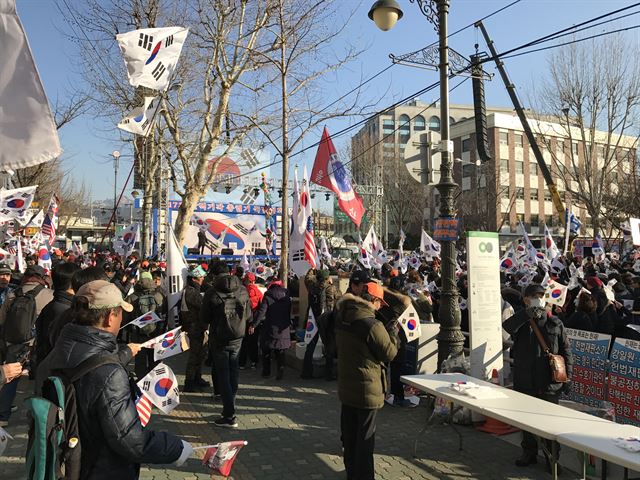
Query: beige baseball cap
103, 294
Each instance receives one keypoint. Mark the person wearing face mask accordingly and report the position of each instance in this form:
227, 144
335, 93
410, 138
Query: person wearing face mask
5, 278
531, 371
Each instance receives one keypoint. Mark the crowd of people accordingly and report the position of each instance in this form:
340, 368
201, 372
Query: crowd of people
69, 318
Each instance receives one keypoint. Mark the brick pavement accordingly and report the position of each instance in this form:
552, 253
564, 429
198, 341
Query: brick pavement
292, 427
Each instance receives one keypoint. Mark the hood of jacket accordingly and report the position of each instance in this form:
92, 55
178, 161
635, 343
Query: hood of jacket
77, 343
351, 308
147, 285
226, 283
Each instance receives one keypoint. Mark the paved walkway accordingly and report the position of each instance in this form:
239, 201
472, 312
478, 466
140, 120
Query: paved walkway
292, 427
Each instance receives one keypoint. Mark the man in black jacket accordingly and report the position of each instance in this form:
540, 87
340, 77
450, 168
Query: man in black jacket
226, 308
531, 371
114, 444
195, 328
62, 296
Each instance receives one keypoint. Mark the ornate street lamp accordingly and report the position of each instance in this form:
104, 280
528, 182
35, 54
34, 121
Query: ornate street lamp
385, 13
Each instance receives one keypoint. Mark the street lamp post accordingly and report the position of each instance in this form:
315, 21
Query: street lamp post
385, 13
116, 159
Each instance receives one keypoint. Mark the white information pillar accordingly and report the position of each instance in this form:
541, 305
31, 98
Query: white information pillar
484, 304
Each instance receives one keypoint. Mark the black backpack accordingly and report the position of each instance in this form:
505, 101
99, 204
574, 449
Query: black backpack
54, 448
231, 323
21, 316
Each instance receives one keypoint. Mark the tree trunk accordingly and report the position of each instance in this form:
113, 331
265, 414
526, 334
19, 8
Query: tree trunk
187, 206
284, 234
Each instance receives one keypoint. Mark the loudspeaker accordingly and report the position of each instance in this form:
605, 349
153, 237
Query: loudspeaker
260, 251
226, 251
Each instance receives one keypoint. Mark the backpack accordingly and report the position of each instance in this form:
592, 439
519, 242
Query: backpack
22, 315
54, 448
231, 323
147, 303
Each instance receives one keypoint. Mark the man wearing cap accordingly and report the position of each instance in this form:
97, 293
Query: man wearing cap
17, 347
5, 278
114, 444
364, 346
531, 371
195, 328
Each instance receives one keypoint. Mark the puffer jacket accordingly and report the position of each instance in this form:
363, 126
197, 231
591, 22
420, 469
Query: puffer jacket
114, 444
209, 312
53, 310
531, 371
274, 314
364, 346
255, 296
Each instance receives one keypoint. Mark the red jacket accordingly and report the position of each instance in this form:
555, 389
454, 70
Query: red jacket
255, 296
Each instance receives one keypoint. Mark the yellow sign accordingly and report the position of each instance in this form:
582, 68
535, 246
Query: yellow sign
31, 231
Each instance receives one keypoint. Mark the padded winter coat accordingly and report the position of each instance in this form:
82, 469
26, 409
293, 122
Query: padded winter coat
364, 346
114, 444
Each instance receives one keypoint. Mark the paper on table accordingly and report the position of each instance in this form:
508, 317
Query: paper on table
476, 391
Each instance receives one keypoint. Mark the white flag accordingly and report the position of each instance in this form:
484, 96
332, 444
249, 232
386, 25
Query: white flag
151, 55
374, 247
324, 251
410, 323
551, 249
126, 244
311, 328
141, 118
428, 246
171, 343
21, 266
28, 133
177, 270
244, 262
148, 318
161, 386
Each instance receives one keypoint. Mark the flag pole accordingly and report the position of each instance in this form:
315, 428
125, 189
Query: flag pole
567, 228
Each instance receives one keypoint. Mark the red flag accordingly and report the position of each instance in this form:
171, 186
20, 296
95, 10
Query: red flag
222, 456
329, 172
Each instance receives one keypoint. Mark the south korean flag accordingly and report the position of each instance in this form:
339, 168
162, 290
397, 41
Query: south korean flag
141, 118
15, 202
151, 55
161, 386
148, 318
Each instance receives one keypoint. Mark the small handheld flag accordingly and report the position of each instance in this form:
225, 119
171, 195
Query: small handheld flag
148, 318
172, 343
161, 386
220, 458
144, 407
410, 323
311, 328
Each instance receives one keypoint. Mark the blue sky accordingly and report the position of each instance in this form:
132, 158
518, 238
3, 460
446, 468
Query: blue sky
88, 143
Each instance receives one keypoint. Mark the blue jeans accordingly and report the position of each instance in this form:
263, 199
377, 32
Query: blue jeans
7, 396
226, 365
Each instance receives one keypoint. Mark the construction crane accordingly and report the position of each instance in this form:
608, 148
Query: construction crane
511, 90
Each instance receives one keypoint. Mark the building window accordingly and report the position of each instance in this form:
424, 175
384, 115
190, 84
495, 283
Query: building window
517, 138
534, 194
504, 165
547, 196
560, 146
388, 126
519, 167
600, 153
533, 168
467, 170
534, 220
434, 124
466, 145
404, 128
452, 120
548, 220
519, 193
418, 123
574, 148
504, 138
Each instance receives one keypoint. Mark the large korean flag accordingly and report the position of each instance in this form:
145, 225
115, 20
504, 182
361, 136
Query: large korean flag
140, 119
151, 55
161, 386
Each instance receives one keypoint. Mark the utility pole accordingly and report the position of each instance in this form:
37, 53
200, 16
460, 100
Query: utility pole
116, 160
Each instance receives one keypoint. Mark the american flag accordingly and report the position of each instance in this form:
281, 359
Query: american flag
310, 253
143, 406
50, 220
